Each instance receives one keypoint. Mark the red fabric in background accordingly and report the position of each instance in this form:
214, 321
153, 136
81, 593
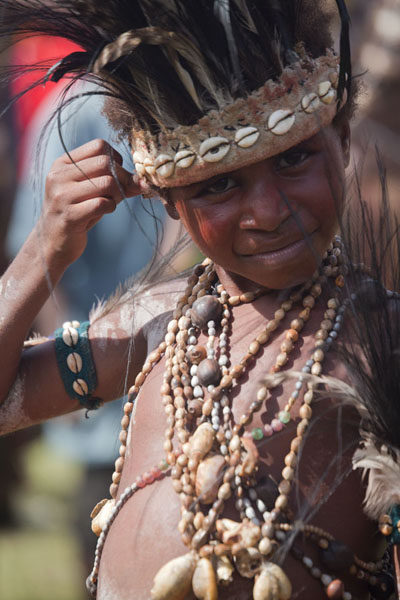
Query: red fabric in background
41, 48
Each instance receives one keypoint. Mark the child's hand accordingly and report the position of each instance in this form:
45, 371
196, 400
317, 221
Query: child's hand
78, 195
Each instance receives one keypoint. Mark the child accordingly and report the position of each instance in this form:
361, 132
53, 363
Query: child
230, 481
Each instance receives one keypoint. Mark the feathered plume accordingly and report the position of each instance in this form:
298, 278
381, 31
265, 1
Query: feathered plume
370, 343
170, 61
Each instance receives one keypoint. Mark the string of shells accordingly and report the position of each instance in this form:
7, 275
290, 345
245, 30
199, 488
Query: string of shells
215, 148
216, 459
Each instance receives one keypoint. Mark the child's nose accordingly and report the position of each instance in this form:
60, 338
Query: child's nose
265, 206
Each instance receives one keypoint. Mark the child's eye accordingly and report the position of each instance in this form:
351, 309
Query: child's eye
292, 158
220, 186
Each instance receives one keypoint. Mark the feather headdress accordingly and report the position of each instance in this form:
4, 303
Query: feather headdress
246, 73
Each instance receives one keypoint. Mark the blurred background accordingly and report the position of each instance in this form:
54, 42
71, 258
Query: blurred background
51, 477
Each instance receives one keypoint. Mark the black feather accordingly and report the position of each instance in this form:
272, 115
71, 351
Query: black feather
370, 344
221, 62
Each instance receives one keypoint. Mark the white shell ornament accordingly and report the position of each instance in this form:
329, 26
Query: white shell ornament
148, 166
246, 137
204, 582
173, 580
74, 362
80, 387
326, 92
310, 103
184, 159
272, 584
164, 165
281, 121
70, 336
138, 159
101, 514
214, 149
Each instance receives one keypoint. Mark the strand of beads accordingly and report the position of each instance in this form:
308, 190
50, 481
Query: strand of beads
91, 582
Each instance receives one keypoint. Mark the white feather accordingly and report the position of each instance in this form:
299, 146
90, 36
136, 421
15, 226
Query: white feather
383, 471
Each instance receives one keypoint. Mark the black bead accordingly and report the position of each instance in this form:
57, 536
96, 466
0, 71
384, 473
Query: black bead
337, 556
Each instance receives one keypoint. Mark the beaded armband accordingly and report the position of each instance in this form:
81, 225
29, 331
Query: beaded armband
75, 363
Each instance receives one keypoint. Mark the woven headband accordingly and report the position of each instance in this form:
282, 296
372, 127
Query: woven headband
272, 119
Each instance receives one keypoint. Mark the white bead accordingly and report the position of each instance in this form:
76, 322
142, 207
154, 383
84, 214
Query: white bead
193, 369
192, 340
223, 360
226, 410
224, 401
194, 381
261, 506
307, 562
250, 512
228, 434
347, 596
252, 494
326, 579
198, 392
224, 449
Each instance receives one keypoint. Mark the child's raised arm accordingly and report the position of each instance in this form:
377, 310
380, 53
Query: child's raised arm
80, 189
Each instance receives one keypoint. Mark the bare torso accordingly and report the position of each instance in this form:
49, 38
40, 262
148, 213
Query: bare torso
326, 492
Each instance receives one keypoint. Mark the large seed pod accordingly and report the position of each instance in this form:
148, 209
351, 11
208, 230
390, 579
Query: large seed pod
272, 584
204, 582
202, 441
173, 580
209, 478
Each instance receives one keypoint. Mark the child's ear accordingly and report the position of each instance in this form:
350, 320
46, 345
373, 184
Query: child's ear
169, 207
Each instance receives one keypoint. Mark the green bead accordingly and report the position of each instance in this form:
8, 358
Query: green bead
163, 465
257, 434
284, 416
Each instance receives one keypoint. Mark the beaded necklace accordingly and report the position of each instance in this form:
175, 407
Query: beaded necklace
216, 457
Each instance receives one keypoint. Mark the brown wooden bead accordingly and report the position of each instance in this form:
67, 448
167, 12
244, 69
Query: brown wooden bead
205, 309
209, 372
292, 334
195, 407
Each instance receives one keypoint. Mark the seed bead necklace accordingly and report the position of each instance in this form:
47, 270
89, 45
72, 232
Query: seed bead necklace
214, 460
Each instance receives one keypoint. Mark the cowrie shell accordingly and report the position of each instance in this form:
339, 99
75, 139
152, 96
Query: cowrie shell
214, 149
164, 165
310, 103
138, 158
329, 97
139, 168
70, 336
246, 137
281, 121
80, 387
184, 159
74, 362
148, 166
334, 79
324, 88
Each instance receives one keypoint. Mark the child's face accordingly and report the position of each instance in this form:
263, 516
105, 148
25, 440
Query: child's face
272, 221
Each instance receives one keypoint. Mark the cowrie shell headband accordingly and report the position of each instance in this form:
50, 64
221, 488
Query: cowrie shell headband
270, 120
